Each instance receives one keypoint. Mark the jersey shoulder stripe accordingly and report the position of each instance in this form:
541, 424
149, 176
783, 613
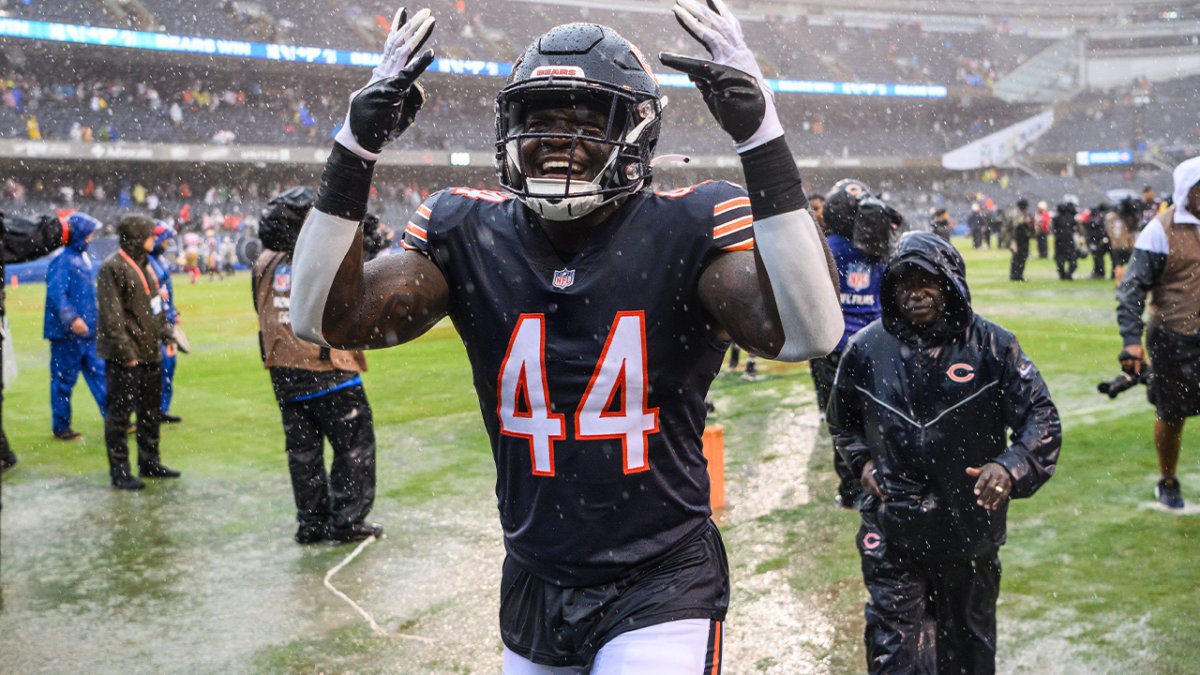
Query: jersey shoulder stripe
732, 220
444, 210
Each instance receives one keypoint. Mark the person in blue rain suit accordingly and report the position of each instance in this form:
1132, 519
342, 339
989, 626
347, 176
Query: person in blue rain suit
70, 325
161, 264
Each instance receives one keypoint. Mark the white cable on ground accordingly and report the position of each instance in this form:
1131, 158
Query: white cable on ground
375, 628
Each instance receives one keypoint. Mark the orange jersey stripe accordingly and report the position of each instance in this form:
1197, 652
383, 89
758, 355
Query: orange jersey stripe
740, 246
730, 204
423, 211
408, 247
733, 226
416, 231
716, 669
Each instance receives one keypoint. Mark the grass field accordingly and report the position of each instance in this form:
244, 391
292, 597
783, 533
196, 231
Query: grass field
200, 575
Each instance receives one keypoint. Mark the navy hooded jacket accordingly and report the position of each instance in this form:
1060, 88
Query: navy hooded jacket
71, 284
926, 404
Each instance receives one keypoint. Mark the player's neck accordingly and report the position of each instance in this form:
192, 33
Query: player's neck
569, 237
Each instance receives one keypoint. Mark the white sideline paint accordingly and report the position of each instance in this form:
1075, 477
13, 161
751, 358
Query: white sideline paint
375, 628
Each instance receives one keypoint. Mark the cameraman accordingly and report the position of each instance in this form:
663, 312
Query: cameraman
319, 391
22, 240
1166, 265
859, 228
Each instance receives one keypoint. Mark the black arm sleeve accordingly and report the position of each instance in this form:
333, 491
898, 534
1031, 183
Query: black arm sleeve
772, 179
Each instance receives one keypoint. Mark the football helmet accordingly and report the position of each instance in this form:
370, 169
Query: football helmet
841, 205
587, 65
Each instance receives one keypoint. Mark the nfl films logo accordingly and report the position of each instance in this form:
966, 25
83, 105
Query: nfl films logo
858, 276
563, 278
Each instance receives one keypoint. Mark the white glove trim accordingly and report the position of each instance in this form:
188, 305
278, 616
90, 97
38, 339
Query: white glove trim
722, 37
402, 41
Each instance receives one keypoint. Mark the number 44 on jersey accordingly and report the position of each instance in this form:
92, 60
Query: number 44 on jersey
614, 405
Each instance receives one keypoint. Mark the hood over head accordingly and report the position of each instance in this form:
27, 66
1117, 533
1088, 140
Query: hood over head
1187, 174
162, 233
80, 226
936, 256
133, 230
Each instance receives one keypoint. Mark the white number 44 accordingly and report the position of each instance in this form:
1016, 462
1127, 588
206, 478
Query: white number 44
523, 400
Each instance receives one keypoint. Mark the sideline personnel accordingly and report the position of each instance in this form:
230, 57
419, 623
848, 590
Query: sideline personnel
1166, 266
319, 391
920, 408
133, 326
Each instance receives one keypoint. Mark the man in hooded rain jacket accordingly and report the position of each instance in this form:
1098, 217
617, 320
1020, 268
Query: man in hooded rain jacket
920, 409
70, 325
133, 325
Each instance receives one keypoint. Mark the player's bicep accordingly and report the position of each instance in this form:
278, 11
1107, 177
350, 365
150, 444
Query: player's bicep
735, 291
404, 295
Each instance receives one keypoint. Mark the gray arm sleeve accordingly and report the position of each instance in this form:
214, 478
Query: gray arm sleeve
322, 246
1141, 276
793, 251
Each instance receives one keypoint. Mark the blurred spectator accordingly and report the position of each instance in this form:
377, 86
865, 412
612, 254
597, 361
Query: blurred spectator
133, 328
1066, 252
70, 325
161, 264
21, 240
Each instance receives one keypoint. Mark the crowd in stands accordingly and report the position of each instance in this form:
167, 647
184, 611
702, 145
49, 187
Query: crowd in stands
1107, 117
204, 107
194, 109
497, 30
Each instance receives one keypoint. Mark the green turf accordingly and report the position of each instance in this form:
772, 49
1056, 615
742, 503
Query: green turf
1092, 574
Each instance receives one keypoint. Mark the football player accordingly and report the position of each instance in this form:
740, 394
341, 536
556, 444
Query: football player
595, 313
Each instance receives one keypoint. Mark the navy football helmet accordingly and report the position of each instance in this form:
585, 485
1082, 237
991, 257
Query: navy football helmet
589, 65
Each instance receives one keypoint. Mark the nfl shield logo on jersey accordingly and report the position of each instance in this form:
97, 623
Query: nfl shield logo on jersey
283, 278
563, 278
858, 276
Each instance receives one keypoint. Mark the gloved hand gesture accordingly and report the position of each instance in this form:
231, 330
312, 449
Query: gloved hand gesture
382, 110
732, 83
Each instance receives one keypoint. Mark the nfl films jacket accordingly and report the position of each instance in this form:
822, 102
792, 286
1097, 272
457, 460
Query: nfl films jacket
132, 321
925, 406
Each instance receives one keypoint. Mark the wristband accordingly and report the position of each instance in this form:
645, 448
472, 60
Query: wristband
772, 179
345, 184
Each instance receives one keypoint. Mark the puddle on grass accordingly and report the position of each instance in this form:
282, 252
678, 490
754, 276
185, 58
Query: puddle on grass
200, 576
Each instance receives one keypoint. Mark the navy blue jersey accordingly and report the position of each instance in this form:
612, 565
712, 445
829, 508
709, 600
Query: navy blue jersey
860, 277
591, 373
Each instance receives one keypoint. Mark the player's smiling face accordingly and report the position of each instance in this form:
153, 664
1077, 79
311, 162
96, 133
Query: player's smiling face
553, 157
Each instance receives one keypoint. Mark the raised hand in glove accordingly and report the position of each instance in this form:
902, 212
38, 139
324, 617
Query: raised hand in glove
382, 110
732, 83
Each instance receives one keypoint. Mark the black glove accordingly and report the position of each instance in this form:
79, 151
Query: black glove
732, 84
382, 110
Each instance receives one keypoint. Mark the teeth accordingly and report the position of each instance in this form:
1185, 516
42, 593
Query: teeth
555, 165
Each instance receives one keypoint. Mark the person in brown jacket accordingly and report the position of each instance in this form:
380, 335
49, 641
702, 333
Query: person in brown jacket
132, 327
1165, 268
319, 391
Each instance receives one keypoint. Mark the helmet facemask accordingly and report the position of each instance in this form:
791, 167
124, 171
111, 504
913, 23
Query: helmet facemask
630, 134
